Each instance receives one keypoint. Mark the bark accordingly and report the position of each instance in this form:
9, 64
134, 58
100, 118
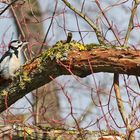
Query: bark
69, 59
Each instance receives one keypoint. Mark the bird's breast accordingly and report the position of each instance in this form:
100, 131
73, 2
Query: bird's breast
14, 64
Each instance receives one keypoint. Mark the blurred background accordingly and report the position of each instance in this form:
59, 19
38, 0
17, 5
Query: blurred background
89, 101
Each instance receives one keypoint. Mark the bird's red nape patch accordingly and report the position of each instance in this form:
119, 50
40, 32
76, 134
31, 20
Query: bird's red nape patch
9, 45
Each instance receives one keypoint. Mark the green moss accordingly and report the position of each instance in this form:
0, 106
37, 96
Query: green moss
26, 77
79, 46
22, 84
17, 73
93, 46
60, 50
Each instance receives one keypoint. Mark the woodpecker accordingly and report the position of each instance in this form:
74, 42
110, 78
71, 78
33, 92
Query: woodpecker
12, 59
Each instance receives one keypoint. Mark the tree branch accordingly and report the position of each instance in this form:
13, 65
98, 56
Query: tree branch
89, 21
48, 133
130, 25
10, 4
69, 59
119, 100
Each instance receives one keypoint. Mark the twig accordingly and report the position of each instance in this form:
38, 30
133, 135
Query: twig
83, 5
88, 110
33, 14
18, 131
108, 22
10, 4
130, 25
79, 28
49, 27
138, 81
89, 21
18, 23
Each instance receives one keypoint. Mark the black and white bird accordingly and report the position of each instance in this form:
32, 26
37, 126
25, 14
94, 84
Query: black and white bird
12, 59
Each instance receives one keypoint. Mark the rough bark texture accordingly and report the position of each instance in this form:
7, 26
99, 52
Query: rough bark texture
105, 60
69, 59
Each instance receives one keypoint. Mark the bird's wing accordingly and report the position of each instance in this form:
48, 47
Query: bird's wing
6, 55
4, 62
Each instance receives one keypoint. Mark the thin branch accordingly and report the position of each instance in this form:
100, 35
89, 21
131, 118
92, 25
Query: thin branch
46, 35
108, 22
88, 20
10, 4
83, 3
130, 25
87, 111
138, 81
18, 22
40, 133
118, 99
77, 22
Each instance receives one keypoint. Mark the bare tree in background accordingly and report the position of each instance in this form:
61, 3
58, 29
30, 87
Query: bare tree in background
28, 16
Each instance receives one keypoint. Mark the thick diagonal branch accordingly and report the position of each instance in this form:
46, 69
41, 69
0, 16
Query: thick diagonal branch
69, 59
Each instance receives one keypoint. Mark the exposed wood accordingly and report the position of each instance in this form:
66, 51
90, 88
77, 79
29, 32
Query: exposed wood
68, 59
105, 60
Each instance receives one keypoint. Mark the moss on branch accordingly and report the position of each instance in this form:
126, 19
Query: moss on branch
66, 59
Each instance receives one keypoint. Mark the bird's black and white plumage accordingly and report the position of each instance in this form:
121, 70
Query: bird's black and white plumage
12, 59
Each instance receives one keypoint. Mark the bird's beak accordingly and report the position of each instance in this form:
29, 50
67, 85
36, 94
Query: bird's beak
25, 43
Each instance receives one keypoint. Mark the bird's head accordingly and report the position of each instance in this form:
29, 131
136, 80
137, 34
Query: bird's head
17, 44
